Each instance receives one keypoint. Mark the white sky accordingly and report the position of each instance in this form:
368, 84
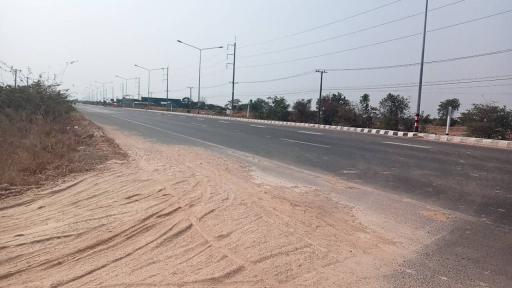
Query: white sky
109, 37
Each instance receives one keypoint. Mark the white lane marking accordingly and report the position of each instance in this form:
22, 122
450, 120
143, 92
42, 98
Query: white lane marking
197, 124
224, 121
409, 145
307, 143
259, 126
310, 132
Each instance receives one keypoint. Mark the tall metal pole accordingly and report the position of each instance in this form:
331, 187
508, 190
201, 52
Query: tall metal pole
190, 97
233, 80
167, 89
15, 78
199, 84
420, 87
322, 72
138, 88
149, 83
200, 59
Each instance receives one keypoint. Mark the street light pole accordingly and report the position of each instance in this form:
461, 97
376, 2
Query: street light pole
199, 84
138, 88
103, 90
190, 97
149, 79
200, 59
126, 84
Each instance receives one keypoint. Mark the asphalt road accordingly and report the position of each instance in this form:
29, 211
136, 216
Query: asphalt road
475, 252
475, 181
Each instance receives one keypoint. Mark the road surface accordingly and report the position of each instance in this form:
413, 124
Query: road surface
471, 180
475, 182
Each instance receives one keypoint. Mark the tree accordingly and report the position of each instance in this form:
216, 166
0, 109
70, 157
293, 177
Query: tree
278, 109
488, 121
260, 108
235, 106
302, 110
442, 110
394, 110
366, 111
336, 109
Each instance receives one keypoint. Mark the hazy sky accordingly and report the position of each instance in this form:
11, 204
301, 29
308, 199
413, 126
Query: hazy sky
109, 37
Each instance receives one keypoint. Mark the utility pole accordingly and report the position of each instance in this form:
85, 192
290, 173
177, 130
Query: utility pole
190, 97
420, 87
15, 71
167, 88
233, 79
29, 72
322, 72
249, 108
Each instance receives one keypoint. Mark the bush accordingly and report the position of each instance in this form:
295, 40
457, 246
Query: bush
42, 137
488, 121
394, 113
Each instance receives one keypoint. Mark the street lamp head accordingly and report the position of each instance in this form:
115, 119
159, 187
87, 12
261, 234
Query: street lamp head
179, 41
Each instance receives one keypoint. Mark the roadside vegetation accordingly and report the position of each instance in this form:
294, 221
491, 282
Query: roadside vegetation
43, 137
393, 112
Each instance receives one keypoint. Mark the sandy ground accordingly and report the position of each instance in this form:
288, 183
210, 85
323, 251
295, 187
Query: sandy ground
174, 216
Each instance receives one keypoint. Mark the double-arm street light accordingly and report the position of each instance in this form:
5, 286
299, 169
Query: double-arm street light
200, 57
149, 75
103, 92
126, 84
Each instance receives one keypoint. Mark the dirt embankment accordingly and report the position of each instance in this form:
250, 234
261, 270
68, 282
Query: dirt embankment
174, 216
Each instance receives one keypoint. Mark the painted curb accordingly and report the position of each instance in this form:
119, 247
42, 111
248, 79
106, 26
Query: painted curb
492, 143
283, 123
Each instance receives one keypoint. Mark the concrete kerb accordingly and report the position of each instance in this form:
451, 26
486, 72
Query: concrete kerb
468, 140
284, 123
439, 138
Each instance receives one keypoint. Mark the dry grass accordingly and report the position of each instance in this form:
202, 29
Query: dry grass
36, 149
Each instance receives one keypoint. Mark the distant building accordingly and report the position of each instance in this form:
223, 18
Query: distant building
176, 103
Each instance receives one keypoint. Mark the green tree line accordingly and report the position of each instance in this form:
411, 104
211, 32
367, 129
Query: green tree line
392, 113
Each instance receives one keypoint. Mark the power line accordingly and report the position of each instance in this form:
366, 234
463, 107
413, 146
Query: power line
215, 86
414, 84
381, 67
450, 82
323, 25
376, 43
350, 33
278, 79
385, 67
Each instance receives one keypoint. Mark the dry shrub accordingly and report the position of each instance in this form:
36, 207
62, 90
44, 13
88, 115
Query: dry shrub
43, 137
